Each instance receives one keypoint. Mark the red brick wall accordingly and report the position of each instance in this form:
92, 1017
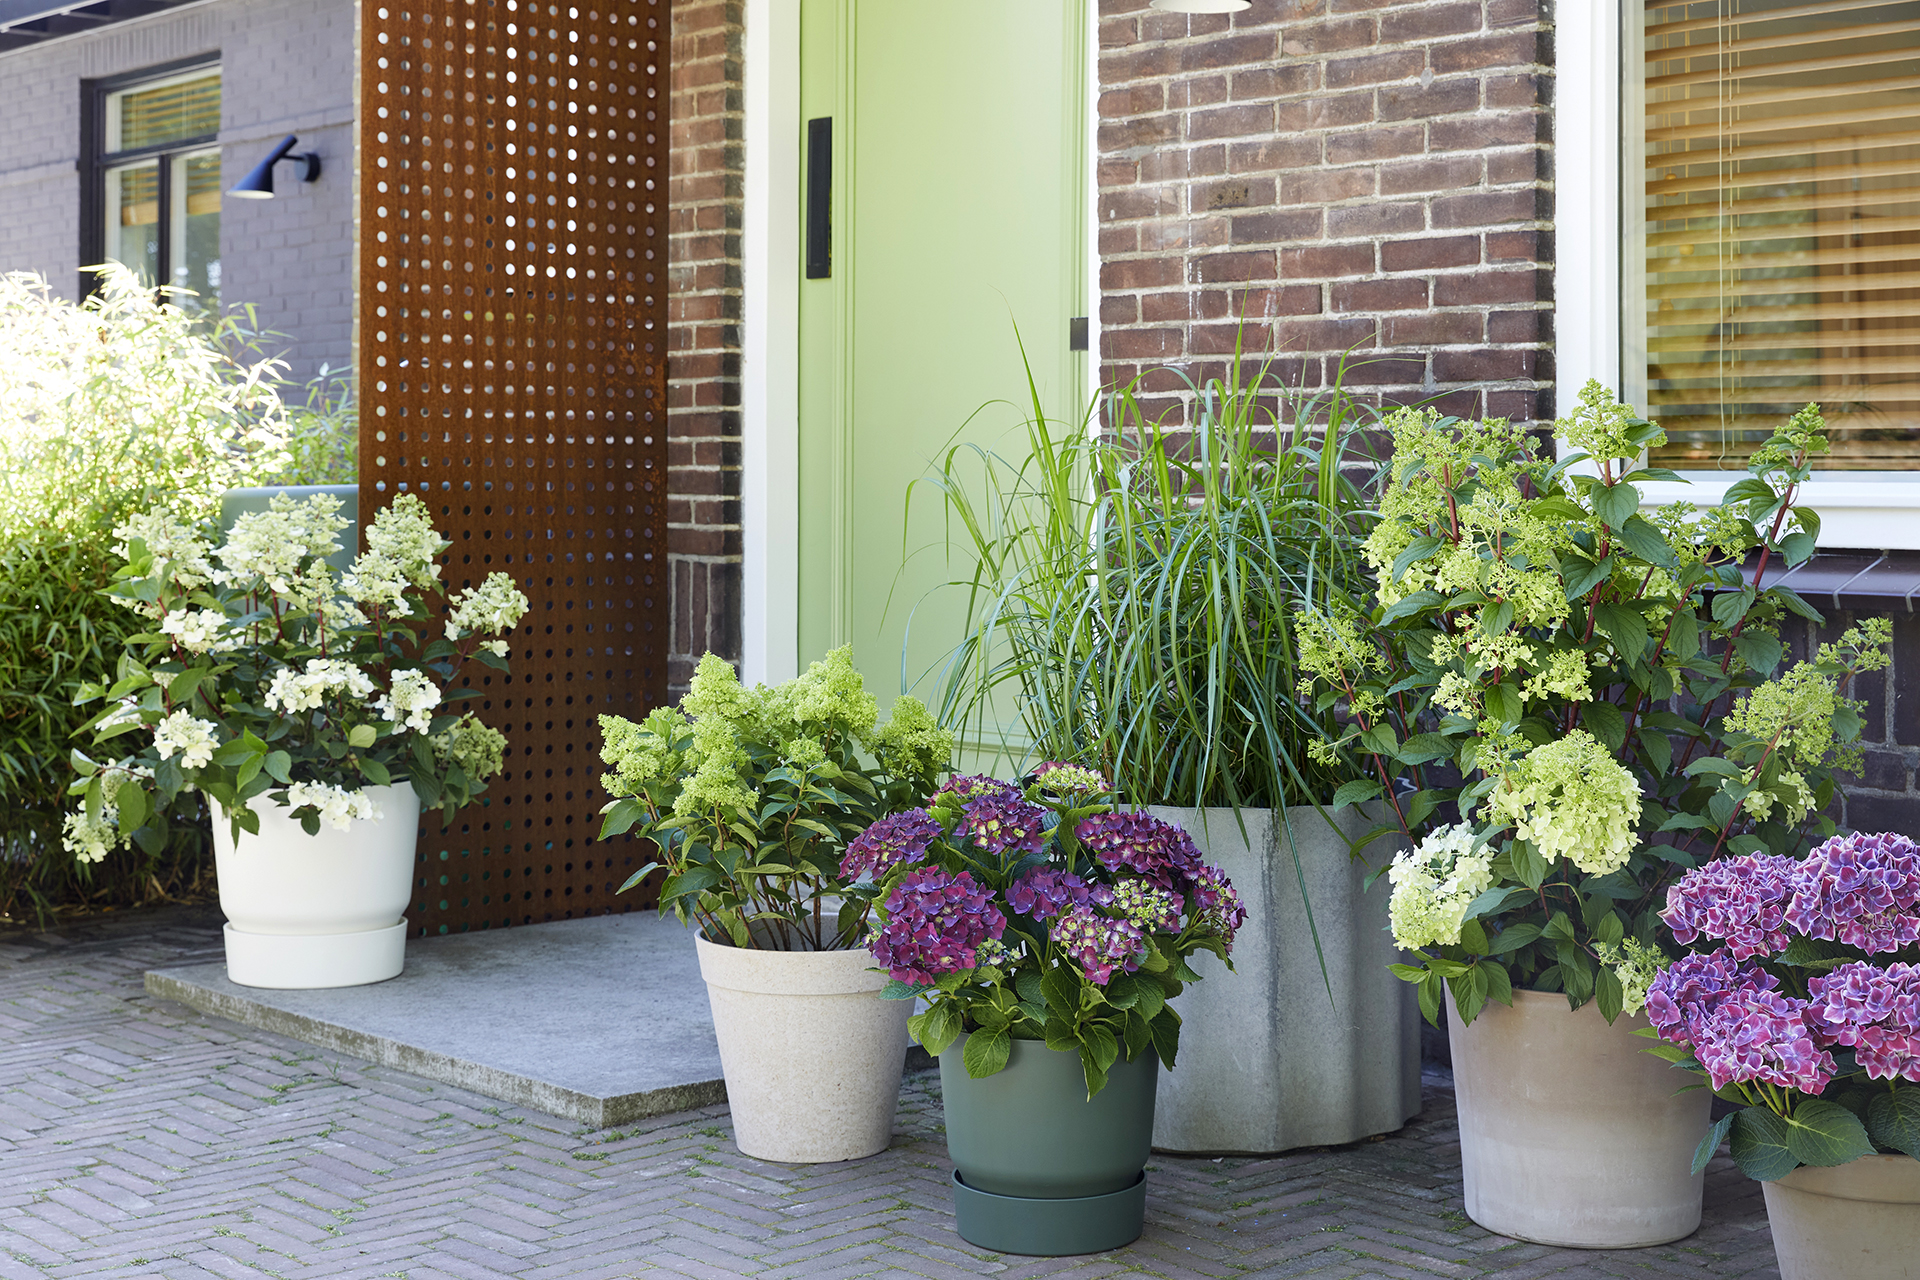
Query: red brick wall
703, 334
1343, 173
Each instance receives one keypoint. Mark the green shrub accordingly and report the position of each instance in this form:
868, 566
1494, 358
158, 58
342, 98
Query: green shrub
108, 407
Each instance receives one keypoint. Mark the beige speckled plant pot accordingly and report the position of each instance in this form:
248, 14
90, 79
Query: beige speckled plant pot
1570, 1134
1860, 1220
811, 1054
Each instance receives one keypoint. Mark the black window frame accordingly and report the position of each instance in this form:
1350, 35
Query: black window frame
95, 160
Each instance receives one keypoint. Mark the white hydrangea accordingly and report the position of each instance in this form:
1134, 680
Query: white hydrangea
403, 533
194, 740
168, 539
377, 582
90, 841
198, 630
337, 806
291, 691
272, 544
413, 699
1434, 884
494, 606
498, 648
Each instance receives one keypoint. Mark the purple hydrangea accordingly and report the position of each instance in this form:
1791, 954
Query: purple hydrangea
1737, 1023
1762, 1035
1143, 844
999, 823
1859, 890
1873, 1011
975, 785
936, 921
1686, 993
1098, 944
1148, 905
1045, 892
1739, 901
1216, 904
889, 843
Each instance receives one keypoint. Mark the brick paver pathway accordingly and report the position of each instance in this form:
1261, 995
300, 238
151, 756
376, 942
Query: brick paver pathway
138, 1139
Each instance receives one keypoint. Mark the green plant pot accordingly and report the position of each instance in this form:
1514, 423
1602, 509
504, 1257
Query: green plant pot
1039, 1168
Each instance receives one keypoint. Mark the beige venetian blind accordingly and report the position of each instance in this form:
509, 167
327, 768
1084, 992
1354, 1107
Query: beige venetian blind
1779, 255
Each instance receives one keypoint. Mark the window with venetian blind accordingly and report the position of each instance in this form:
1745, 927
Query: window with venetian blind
155, 171
1773, 224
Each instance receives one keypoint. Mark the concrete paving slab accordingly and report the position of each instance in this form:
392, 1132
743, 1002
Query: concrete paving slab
603, 1020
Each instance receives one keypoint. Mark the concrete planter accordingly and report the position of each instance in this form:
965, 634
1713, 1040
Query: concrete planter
322, 910
1267, 1062
1860, 1220
1570, 1134
812, 1055
1039, 1167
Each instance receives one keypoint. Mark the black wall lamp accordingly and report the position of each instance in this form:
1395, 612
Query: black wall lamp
258, 184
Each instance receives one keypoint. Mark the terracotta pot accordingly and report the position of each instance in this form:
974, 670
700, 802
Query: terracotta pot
811, 1053
1859, 1220
1274, 1055
322, 910
1570, 1134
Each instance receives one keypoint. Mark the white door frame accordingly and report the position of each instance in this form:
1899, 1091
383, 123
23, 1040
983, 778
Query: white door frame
770, 345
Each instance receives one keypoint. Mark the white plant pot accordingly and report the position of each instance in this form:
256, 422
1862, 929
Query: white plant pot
322, 910
1860, 1220
811, 1053
1570, 1133
1268, 1061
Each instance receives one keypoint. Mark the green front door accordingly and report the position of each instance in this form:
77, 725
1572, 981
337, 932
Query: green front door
959, 186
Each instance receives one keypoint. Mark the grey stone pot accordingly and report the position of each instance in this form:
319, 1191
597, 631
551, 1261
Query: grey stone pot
1267, 1061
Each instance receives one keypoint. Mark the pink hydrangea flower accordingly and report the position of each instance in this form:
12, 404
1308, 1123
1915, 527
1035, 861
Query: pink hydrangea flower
1860, 890
1739, 901
1873, 1011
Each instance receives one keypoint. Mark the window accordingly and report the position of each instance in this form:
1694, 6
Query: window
1776, 255
153, 175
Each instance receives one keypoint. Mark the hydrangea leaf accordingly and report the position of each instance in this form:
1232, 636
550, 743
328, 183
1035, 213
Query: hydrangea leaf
1825, 1133
1760, 651
986, 1053
1604, 721
1759, 1145
1358, 791
1710, 1145
1893, 1119
1647, 542
1624, 626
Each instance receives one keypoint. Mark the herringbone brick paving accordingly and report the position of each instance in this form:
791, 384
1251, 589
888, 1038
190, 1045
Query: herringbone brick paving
138, 1139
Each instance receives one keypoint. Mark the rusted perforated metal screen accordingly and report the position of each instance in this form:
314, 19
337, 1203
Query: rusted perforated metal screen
513, 182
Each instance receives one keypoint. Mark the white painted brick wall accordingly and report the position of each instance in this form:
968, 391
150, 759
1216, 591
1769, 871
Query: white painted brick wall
287, 67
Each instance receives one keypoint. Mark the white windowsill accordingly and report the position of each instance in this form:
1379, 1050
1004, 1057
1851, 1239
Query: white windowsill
1877, 514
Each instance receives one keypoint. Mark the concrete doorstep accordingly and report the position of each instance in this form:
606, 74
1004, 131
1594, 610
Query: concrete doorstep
603, 1021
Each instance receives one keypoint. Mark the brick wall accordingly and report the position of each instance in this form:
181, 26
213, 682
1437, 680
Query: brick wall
1345, 174
703, 361
287, 67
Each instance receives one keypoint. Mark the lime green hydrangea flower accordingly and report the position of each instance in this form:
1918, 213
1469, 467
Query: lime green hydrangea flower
911, 744
480, 751
1600, 424
1434, 884
1636, 965
1572, 799
642, 753
1563, 675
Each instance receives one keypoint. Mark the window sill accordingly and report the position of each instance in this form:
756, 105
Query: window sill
1876, 513
1856, 581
